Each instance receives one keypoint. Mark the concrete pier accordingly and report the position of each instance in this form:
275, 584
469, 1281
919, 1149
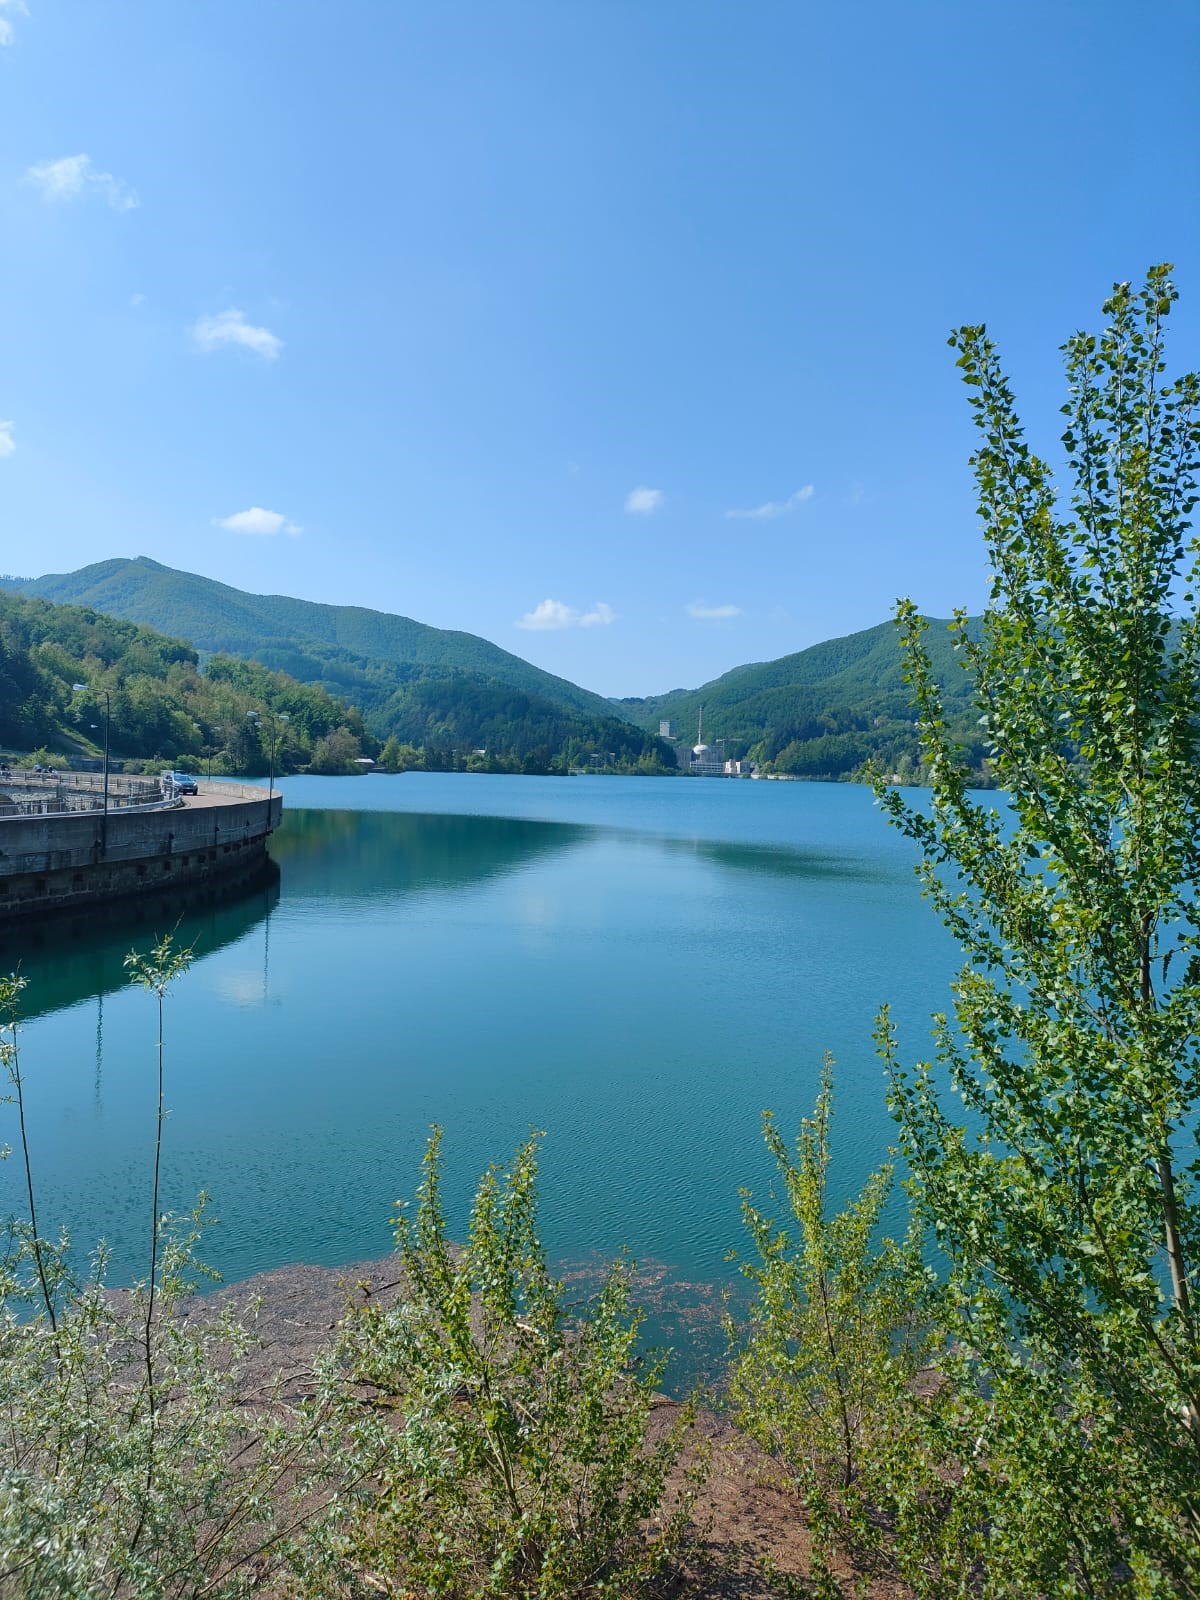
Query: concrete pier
73, 858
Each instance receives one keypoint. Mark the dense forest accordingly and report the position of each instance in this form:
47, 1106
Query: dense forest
436, 698
161, 707
168, 706
825, 712
459, 701
446, 692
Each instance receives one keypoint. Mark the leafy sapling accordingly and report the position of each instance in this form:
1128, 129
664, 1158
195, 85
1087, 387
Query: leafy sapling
1066, 1206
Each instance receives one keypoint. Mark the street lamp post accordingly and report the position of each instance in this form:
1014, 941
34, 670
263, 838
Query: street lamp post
83, 688
276, 719
104, 818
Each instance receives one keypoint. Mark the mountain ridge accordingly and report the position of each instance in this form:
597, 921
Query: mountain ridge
824, 711
278, 620
431, 687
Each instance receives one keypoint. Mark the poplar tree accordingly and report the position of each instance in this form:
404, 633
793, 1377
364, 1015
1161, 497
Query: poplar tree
1064, 1197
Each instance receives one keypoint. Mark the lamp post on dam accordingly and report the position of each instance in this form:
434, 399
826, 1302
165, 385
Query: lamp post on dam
83, 688
275, 718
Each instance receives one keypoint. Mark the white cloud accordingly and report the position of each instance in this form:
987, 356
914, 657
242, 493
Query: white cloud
704, 613
776, 508
8, 444
7, 31
60, 180
136, 300
258, 523
599, 616
231, 327
552, 615
642, 501
71, 176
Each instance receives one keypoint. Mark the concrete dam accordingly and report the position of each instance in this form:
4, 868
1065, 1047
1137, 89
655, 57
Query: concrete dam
62, 847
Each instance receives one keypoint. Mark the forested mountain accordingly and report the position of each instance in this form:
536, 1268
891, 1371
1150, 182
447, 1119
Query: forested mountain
161, 707
824, 711
821, 712
445, 692
359, 654
429, 687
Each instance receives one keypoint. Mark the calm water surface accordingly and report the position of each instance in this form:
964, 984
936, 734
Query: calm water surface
637, 966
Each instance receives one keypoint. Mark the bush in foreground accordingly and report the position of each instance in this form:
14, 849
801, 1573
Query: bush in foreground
506, 1449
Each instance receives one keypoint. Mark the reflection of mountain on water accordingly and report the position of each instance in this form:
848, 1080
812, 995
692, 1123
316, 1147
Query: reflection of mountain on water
778, 861
382, 854
345, 854
74, 956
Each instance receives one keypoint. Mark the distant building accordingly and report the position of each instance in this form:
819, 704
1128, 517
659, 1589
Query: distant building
703, 760
666, 729
707, 761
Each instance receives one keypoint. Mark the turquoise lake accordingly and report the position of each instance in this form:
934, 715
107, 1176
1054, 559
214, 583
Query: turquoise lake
637, 966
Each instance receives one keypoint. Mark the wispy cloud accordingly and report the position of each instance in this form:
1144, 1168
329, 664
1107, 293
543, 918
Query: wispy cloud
7, 31
231, 328
8, 444
71, 176
642, 502
775, 508
553, 615
258, 523
706, 613
598, 617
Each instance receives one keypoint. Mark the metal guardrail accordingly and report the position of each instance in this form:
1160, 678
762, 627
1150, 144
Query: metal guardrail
75, 793
63, 777
24, 793
79, 805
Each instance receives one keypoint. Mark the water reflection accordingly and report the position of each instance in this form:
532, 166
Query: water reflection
380, 854
347, 855
779, 861
73, 956
639, 994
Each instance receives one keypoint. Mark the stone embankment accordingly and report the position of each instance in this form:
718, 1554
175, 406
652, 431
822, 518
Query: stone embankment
62, 849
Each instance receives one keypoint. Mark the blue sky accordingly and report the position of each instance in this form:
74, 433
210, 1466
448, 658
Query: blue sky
614, 332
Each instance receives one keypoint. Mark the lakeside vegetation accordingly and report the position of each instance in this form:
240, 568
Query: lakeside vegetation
838, 710
161, 708
169, 707
835, 710
1005, 1406
446, 693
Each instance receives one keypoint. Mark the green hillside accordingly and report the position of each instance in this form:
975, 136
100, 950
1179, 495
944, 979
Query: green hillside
821, 712
345, 646
824, 711
439, 689
162, 708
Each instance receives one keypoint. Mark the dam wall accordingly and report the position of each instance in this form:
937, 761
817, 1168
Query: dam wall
74, 859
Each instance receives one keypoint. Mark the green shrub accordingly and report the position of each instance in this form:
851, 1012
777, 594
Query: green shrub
508, 1443
824, 1375
131, 1464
